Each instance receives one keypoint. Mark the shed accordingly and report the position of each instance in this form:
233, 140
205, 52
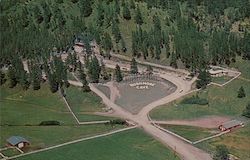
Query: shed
17, 141
230, 125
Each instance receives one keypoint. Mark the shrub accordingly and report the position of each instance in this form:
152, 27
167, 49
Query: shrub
195, 100
49, 123
117, 121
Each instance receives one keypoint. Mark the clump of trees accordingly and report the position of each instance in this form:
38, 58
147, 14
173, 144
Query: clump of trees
118, 74
204, 78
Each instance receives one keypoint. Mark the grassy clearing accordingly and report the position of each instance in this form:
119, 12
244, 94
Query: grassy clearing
223, 101
132, 144
22, 111
10, 152
189, 132
221, 80
84, 105
237, 141
30, 107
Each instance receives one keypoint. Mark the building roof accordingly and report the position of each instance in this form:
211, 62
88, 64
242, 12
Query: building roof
211, 71
231, 124
14, 140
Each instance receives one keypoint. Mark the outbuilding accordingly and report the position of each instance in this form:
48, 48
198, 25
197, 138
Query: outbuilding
17, 141
230, 125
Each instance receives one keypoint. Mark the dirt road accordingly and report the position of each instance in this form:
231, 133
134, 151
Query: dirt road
185, 150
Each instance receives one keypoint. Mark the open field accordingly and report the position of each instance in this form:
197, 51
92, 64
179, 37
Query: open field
223, 101
22, 111
237, 141
84, 105
221, 80
132, 144
189, 132
133, 99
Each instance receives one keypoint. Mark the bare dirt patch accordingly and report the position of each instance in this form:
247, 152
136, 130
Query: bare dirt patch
205, 122
133, 96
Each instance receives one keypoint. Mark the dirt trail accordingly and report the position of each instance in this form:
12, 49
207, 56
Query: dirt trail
207, 122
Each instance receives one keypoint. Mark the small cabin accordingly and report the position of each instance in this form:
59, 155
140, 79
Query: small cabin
230, 125
17, 141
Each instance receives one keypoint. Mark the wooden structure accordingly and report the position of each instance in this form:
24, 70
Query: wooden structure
17, 141
230, 125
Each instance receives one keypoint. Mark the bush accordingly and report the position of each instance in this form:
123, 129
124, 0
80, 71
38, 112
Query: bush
195, 100
117, 121
49, 123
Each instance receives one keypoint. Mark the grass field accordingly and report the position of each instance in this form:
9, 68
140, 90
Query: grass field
132, 144
238, 143
85, 104
191, 133
22, 111
221, 80
223, 101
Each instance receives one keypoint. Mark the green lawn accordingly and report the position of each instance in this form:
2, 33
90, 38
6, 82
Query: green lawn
191, 133
84, 105
223, 101
132, 144
221, 80
237, 141
10, 152
22, 111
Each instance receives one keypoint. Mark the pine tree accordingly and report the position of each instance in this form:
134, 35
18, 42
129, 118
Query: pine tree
133, 67
117, 7
104, 74
94, 70
116, 32
204, 78
24, 80
12, 77
126, 12
86, 7
124, 49
138, 16
2, 77
246, 112
107, 43
36, 76
132, 4
118, 74
85, 84
241, 93
100, 13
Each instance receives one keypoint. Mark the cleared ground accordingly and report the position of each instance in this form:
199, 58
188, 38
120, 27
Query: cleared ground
134, 99
189, 132
133, 144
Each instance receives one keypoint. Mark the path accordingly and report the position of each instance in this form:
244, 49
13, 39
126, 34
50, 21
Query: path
185, 150
207, 122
